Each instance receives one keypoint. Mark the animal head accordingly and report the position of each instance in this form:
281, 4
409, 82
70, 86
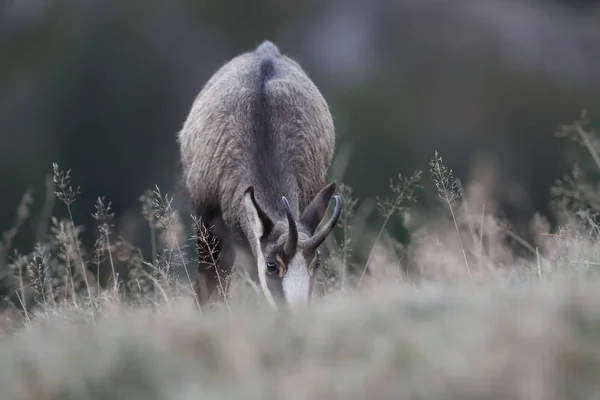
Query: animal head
287, 251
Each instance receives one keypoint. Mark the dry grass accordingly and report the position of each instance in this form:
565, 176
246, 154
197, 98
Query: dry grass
429, 343
456, 314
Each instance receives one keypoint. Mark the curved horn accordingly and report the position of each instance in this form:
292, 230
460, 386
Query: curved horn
291, 243
322, 234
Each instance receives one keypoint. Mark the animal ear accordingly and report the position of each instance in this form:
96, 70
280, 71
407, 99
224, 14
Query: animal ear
260, 223
313, 214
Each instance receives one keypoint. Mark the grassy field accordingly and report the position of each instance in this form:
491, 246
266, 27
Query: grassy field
458, 313
436, 342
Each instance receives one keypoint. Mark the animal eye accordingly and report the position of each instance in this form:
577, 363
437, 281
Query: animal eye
318, 260
271, 267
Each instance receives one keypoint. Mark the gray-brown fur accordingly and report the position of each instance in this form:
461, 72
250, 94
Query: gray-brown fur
258, 122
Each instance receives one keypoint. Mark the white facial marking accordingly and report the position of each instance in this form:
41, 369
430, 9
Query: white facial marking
296, 283
253, 218
260, 262
257, 229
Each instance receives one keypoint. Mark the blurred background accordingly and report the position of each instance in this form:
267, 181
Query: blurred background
102, 87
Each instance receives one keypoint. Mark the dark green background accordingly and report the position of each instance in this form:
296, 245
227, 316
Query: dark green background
102, 87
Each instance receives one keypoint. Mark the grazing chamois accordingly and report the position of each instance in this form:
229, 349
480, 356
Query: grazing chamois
255, 150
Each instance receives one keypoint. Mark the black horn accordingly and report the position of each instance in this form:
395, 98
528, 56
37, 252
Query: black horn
322, 234
291, 243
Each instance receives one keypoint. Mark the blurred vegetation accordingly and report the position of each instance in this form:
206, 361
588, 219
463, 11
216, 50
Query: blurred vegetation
456, 313
497, 87
102, 87
536, 341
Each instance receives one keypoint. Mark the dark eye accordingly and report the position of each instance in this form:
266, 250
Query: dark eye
271, 267
318, 260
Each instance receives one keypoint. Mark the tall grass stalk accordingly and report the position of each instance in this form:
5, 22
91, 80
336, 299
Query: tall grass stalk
448, 190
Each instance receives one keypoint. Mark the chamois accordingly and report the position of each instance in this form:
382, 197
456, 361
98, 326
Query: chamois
255, 150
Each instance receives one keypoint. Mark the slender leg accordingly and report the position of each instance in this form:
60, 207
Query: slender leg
215, 257
209, 251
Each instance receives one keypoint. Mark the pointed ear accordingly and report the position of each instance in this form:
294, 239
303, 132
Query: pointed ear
260, 223
313, 214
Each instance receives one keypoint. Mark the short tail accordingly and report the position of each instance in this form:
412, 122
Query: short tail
268, 49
